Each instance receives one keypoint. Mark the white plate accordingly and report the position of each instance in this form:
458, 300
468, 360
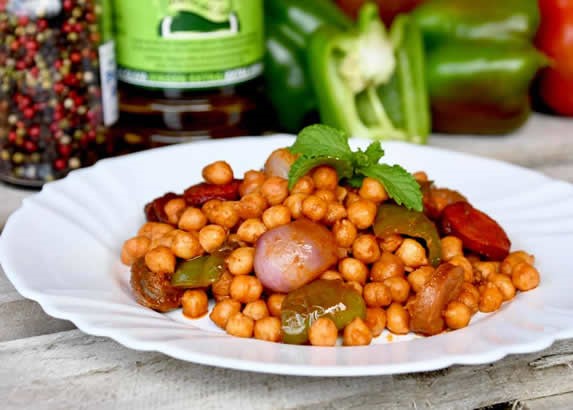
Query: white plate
61, 248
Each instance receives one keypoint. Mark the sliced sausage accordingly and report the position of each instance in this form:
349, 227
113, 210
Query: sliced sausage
154, 290
198, 194
436, 199
155, 210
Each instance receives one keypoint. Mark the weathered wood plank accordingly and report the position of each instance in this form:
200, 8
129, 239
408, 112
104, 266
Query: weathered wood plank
64, 369
557, 402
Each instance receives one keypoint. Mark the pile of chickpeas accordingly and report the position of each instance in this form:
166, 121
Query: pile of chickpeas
387, 272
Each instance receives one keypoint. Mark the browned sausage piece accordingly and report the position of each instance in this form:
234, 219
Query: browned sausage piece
198, 194
436, 199
426, 309
155, 210
154, 290
479, 233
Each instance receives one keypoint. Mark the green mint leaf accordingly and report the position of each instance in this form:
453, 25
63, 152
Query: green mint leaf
374, 152
322, 141
355, 181
305, 163
399, 184
360, 160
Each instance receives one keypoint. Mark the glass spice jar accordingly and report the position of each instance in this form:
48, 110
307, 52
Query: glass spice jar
57, 87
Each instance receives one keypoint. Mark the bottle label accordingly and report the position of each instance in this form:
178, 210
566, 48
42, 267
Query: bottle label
189, 43
109, 97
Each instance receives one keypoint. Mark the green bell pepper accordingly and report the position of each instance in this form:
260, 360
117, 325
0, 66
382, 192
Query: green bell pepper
480, 63
369, 83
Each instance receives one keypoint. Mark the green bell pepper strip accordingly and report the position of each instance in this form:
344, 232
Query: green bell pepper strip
199, 272
394, 219
368, 84
289, 23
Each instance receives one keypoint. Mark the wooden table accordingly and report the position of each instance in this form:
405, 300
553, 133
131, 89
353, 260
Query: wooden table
46, 363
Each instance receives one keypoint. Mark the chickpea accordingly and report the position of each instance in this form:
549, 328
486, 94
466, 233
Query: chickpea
240, 325
399, 288
524, 276
154, 230
356, 333
252, 182
353, 269
420, 176
276, 216
451, 246
491, 298
340, 193
325, 177
412, 253
457, 315
484, 269
366, 249
334, 213
345, 233
256, 310
226, 214
222, 287
240, 261
391, 242
314, 208
246, 288
186, 245
513, 259
463, 263
160, 260
331, 275
275, 190
268, 329
375, 320
294, 204
304, 185
358, 287
469, 287
223, 310
504, 284
252, 205
174, 209
323, 332
373, 190
377, 294
351, 197
327, 196
387, 266
470, 300
165, 240
134, 249
212, 237
218, 173
418, 278
362, 213
250, 230
274, 303
397, 319
192, 219
195, 303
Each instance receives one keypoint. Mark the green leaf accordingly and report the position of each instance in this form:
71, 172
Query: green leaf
399, 184
305, 163
355, 181
322, 141
374, 152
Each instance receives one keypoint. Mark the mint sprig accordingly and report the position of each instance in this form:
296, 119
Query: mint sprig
323, 145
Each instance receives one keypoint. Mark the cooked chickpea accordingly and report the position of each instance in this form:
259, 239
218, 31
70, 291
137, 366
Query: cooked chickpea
469, 297
356, 333
212, 237
484, 269
331, 275
246, 288
195, 303
513, 259
391, 242
325, 177
314, 208
174, 209
252, 205
154, 230
275, 190
397, 319
276, 215
222, 287
373, 190
323, 332
387, 266
186, 245
256, 310
134, 249
420, 176
340, 193
274, 303
268, 329
240, 261
351, 197
418, 278
358, 287
412, 253
362, 213
223, 310
490, 299
304, 185
463, 263
377, 294
294, 204
250, 230
366, 249
470, 287
218, 173
240, 325
399, 288
334, 213
504, 284
165, 240
160, 260
375, 320
192, 219
451, 246
226, 214
353, 269
524, 276
252, 182
345, 233
457, 315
